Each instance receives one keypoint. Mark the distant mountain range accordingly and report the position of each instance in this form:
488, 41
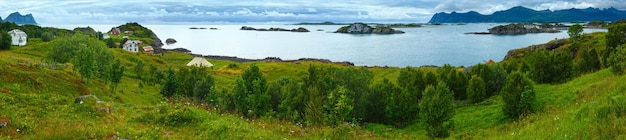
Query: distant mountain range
523, 14
18, 18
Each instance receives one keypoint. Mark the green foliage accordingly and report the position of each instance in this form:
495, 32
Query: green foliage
170, 85
617, 60
575, 32
251, 93
376, 103
47, 36
204, 89
110, 43
550, 67
476, 89
5, 40
456, 81
437, 110
339, 106
518, 95
588, 62
139, 70
88, 55
116, 73
615, 37
494, 76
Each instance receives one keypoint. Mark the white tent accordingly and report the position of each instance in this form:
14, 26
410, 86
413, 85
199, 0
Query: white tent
199, 62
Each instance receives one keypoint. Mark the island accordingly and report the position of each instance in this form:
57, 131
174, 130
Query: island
320, 23
299, 29
523, 28
362, 28
523, 14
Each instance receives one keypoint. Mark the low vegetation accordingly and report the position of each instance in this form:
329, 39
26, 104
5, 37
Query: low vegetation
564, 91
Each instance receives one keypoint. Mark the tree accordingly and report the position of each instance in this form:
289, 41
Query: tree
251, 92
203, 89
476, 89
618, 60
615, 36
437, 110
375, 102
116, 73
90, 57
518, 95
5, 40
139, 69
575, 32
46, 36
170, 85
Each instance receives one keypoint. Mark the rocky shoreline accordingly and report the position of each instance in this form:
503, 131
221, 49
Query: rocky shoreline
270, 59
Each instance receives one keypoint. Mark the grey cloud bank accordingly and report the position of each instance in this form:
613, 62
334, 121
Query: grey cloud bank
117, 12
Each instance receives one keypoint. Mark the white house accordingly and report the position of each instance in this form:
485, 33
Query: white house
132, 45
19, 37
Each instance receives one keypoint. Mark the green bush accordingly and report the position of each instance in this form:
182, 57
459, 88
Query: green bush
5, 40
46, 36
518, 95
617, 60
437, 110
476, 89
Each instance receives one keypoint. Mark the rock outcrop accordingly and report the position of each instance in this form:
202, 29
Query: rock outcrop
552, 45
170, 41
362, 28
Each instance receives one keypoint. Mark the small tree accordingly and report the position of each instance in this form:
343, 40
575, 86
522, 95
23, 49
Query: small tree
437, 109
575, 31
5, 40
170, 85
46, 36
476, 89
518, 95
615, 36
618, 60
116, 72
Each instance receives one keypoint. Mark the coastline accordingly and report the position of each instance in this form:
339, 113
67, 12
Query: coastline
269, 59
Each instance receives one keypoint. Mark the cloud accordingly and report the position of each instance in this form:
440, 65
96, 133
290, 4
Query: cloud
116, 12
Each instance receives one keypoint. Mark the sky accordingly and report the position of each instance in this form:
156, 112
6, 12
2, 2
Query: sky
55, 12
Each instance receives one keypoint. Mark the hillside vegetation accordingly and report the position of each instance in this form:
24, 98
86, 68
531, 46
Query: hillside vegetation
159, 97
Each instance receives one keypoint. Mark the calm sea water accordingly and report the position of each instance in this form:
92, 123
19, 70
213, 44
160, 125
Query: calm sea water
428, 45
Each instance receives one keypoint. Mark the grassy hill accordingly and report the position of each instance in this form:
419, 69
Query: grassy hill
38, 102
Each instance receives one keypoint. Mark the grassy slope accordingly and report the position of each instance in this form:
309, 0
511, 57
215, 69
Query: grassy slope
39, 102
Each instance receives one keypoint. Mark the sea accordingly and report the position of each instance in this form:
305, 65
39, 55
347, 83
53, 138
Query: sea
427, 45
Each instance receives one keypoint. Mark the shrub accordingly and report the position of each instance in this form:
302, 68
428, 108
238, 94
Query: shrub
617, 60
476, 89
46, 36
437, 109
518, 95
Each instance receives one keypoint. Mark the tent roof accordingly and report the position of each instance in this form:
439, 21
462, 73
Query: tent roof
199, 61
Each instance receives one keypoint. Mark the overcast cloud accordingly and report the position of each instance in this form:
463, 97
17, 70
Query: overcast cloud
50, 12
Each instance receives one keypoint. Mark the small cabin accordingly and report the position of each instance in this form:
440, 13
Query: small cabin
19, 37
148, 49
115, 31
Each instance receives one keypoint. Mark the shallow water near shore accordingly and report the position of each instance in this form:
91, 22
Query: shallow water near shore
427, 45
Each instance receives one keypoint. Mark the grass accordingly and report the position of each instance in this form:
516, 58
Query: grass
39, 102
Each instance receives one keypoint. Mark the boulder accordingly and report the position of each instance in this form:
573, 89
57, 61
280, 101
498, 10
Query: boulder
4, 122
246, 28
80, 99
170, 41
